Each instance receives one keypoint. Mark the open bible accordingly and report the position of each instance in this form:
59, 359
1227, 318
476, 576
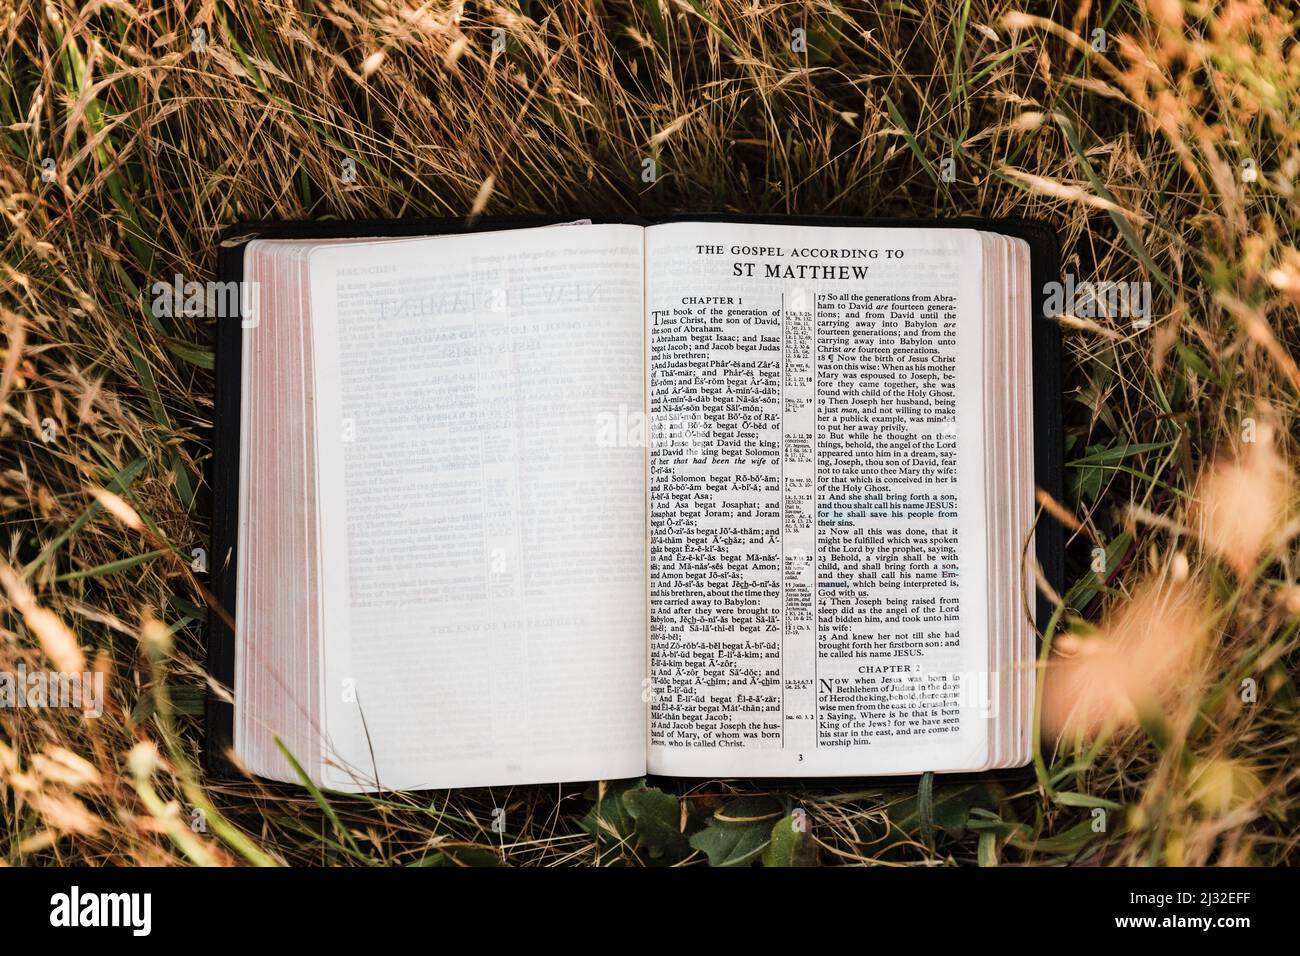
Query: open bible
697, 497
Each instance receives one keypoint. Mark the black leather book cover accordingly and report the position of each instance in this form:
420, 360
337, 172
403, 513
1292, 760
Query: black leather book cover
1048, 426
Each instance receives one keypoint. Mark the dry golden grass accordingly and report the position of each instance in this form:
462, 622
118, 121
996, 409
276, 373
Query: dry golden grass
1169, 157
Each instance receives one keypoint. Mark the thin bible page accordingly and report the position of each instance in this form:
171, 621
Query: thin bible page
482, 525
818, 538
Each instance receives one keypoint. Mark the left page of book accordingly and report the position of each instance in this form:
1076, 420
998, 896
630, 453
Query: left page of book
482, 529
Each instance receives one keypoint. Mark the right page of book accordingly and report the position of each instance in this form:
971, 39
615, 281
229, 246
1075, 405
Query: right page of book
818, 534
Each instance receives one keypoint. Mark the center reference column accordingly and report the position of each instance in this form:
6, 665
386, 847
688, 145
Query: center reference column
798, 522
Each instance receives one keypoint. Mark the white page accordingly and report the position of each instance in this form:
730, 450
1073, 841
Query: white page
753, 593
483, 547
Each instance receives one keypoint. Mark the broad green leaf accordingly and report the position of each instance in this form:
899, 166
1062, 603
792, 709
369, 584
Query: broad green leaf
608, 819
738, 833
792, 843
731, 844
657, 822
950, 808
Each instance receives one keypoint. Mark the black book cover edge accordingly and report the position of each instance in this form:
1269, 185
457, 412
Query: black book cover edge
1049, 438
